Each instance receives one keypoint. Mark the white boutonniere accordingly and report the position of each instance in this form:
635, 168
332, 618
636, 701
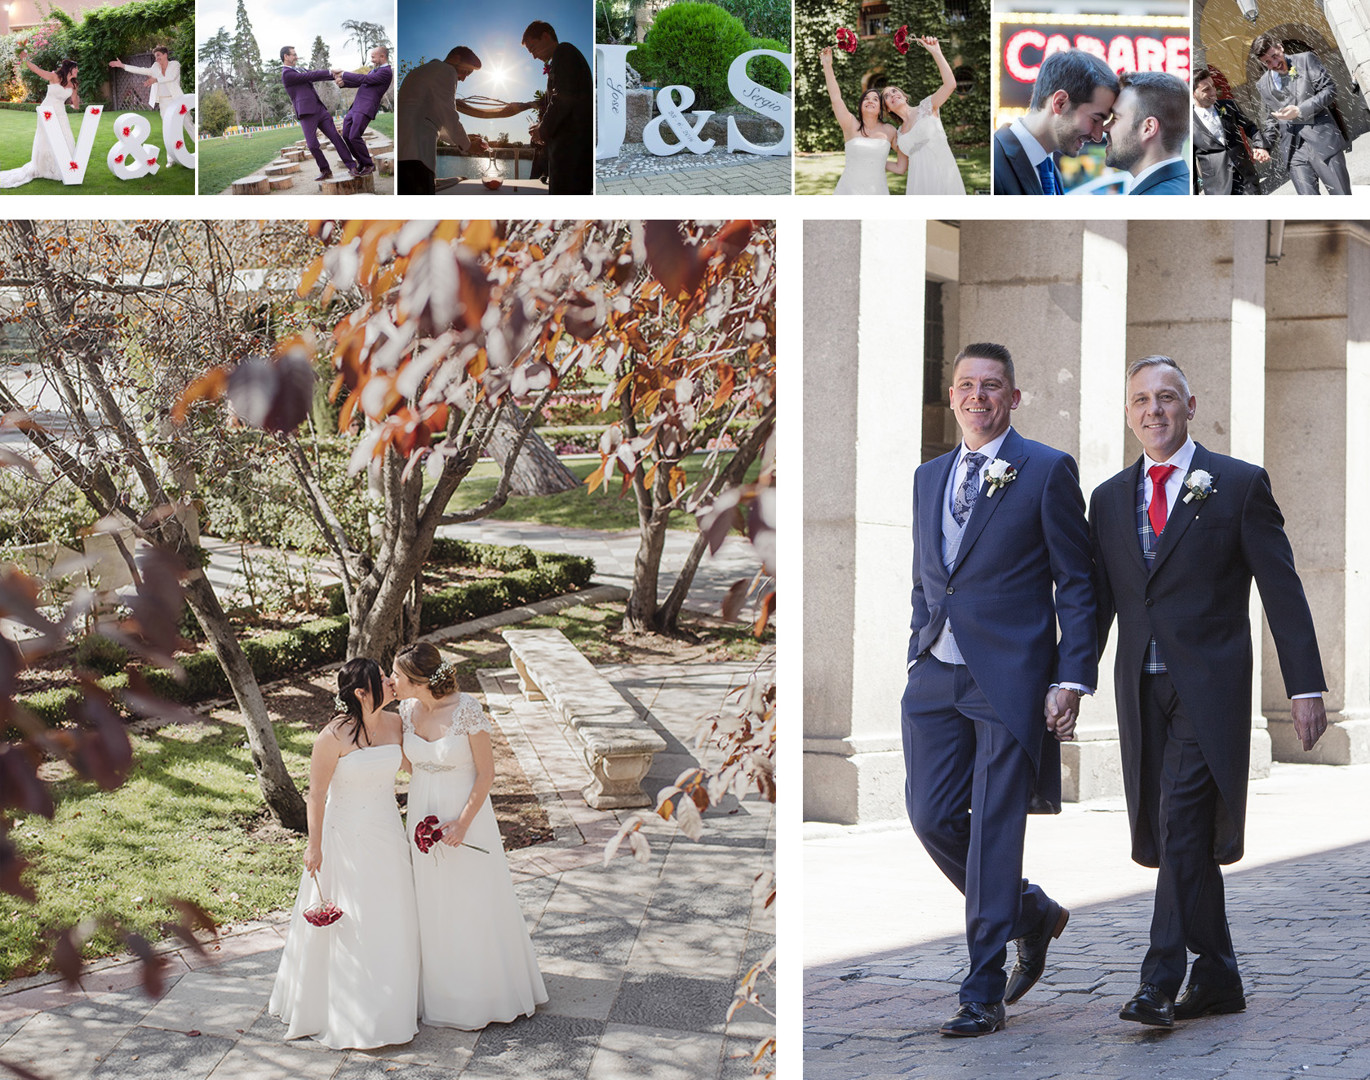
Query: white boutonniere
999, 473
1199, 485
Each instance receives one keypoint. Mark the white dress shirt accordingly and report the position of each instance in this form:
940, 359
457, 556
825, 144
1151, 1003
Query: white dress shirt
1035, 151
1212, 121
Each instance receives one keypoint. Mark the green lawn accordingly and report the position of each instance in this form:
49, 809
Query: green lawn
817, 174
16, 142
224, 160
182, 826
571, 509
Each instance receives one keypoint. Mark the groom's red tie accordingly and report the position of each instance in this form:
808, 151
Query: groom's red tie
1156, 511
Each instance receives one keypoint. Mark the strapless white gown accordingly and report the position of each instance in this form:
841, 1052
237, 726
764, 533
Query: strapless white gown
41, 163
355, 983
864, 172
478, 961
932, 165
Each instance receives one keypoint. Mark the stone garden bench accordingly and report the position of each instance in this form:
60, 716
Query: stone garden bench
618, 744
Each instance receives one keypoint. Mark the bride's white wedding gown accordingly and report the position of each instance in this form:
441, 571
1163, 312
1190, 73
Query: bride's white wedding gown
932, 165
478, 961
864, 171
355, 983
41, 163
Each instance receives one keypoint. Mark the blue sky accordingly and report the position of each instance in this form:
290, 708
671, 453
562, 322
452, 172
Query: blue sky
429, 28
297, 23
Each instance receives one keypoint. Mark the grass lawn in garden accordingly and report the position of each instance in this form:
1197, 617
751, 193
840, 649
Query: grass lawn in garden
577, 509
223, 161
16, 143
817, 174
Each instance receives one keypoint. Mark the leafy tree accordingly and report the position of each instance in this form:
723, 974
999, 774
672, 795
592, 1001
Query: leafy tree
815, 26
366, 36
216, 113
216, 62
319, 59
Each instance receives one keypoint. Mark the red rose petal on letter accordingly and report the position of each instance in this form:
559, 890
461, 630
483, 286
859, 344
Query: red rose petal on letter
119, 160
152, 161
183, 110
127, 130
179, 143
47, 115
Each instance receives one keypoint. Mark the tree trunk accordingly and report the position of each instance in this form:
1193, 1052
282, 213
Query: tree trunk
537, 470
278, 789
641, 614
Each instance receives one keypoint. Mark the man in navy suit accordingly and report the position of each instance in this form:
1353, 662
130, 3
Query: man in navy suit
1149, 127
1071, 100
567, 121
371, 87
312, 114
1001, 555
1178, 537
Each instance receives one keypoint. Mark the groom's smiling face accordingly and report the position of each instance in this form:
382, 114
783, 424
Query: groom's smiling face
982, 396
1074, 125
1159, 410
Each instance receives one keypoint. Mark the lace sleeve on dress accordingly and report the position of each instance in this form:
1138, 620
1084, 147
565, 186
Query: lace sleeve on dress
407, 715
924, 108
468, 717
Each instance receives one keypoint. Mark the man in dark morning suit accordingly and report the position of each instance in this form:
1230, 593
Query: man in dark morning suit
371, 87
1299, 96
1071, 99
1178, 537
312, 114
1149, 127
567, 122
1221, 162
1001, 555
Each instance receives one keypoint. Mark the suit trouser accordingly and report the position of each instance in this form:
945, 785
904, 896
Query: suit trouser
1307, 167
312, 125
1190, 912
353, 130
960, 757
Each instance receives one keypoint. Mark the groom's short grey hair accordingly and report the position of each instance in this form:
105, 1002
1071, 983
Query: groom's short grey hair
1076, 72
987, 350
1159, 361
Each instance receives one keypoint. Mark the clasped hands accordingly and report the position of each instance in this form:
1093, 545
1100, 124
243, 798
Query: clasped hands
1289, 112
1062, 710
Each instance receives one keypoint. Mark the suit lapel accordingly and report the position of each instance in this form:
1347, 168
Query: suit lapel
1122, 499
1027, 176
1182, 513
1015, 453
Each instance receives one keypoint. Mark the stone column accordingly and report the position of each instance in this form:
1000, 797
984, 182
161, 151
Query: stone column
1056, 293
1206, 310
1318, 384
1350, 23
863, 375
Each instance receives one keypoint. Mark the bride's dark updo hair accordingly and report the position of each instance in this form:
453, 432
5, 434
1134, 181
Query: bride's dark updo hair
423, 663
359, 673
64, 70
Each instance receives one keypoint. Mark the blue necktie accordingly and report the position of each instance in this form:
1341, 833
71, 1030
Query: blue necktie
1047, 171
969, 490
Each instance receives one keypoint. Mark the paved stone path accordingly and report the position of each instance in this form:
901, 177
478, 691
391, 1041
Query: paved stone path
640, 962
881, 976
715, 173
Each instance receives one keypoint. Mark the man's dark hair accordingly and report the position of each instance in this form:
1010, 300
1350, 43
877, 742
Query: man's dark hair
1264, 44
462, 55
537, 28
286, 49
163, 50
1199, 75
1076, 72
1165, 97
986, 350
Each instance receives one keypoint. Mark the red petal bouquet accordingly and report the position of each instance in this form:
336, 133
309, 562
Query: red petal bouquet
325, 912
846, 39
427, 833
901, 39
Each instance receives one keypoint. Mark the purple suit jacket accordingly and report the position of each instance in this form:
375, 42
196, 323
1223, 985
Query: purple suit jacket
303, 97
371, 87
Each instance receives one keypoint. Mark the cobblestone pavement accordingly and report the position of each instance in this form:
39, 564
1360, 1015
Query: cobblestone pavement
637, 172
882, 976
640, 961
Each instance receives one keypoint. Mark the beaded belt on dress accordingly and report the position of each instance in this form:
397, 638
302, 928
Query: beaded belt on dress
429, 766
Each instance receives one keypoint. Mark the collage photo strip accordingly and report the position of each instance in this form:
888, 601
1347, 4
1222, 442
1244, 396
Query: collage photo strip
389, 631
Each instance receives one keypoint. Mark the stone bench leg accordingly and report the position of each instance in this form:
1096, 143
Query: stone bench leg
527, 686
617, 783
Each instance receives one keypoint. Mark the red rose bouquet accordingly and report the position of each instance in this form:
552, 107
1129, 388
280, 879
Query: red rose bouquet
846, 40
323, 913
427, 833
901, 39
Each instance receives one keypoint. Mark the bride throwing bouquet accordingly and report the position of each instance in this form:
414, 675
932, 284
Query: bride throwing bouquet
931, 165
61, 92
867, 141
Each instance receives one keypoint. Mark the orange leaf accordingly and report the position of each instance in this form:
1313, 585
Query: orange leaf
595, 479
479, 236
310, 276
208, 387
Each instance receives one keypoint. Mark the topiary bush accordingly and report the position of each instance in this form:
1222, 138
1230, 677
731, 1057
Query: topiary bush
768, 71
693, 45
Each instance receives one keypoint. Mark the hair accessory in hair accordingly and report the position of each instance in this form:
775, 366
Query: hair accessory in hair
440, 672
339, 703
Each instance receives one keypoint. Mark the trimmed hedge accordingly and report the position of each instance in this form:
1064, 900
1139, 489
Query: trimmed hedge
531, 576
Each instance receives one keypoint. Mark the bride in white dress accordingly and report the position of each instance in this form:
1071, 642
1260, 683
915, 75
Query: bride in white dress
354, 983
868, 141
477, 959
931, 166
61, 92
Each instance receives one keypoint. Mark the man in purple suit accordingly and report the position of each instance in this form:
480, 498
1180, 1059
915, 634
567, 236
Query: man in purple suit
371, 87
312, 114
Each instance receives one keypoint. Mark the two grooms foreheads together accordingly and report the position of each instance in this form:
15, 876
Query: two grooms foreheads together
1004, 555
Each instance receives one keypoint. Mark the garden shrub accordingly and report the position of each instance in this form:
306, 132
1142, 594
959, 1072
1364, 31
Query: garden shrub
100, 654
768, 71
763, 18
693, 44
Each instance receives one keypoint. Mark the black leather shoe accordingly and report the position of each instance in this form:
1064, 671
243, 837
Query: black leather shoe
1032, 954
324, 176
975, 1018
1149, 1005
1201, 999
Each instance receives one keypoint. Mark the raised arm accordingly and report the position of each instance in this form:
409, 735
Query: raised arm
839, 107
943, 92
48, 76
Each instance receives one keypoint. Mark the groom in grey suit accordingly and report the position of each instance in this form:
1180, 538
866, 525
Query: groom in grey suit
1298, 96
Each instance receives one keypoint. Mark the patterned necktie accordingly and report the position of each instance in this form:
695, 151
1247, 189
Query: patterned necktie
1047, 171
969, 490
1156, 510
